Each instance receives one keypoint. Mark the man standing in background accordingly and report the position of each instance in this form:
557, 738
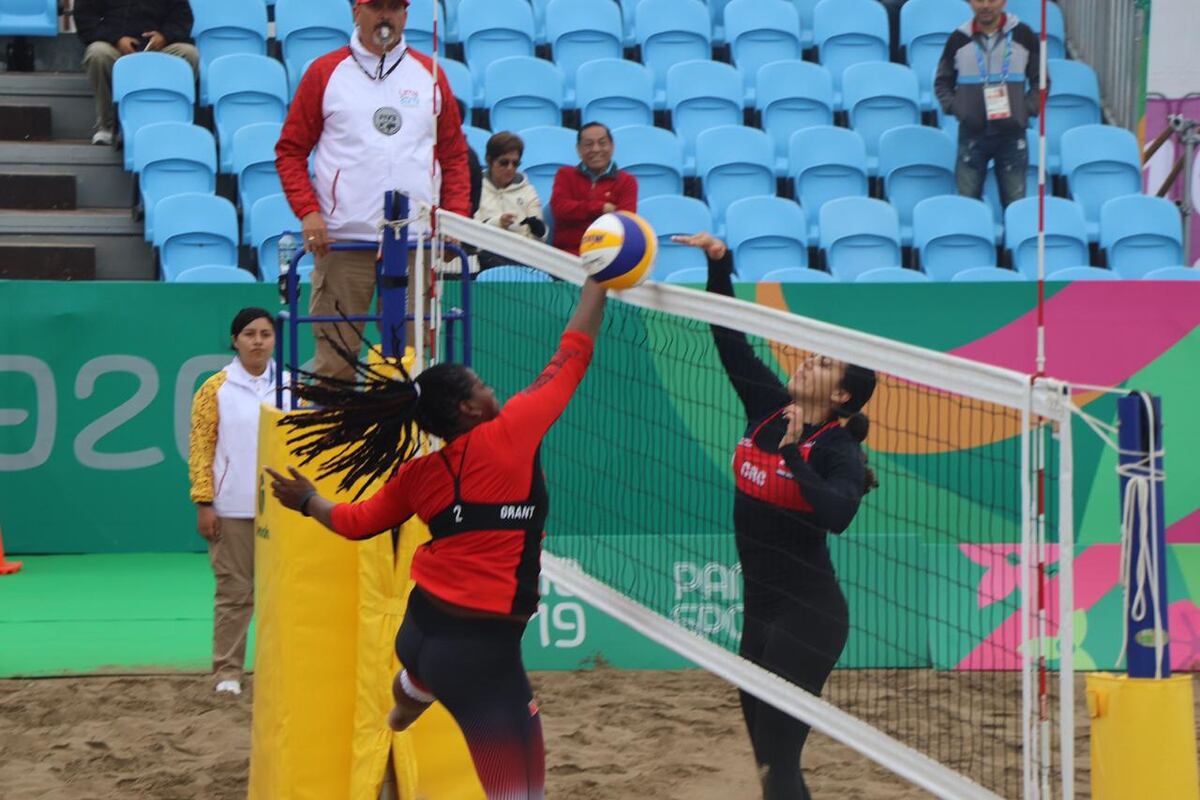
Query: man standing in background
988, 79
370, 111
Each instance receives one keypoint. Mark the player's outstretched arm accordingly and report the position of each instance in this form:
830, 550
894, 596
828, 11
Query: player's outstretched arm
590, 311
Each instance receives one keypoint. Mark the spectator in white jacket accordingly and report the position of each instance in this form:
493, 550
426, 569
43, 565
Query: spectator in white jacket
223, 465
508, 199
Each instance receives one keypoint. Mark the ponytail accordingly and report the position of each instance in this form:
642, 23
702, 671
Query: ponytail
858, 425
860, 383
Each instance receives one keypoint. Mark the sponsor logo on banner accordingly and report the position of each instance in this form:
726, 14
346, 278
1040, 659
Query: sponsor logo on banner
708, 597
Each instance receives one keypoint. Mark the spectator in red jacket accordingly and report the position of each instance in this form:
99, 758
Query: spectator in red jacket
370, 113
593, 187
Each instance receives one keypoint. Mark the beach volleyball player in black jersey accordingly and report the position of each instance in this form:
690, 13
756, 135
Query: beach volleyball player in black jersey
800, 474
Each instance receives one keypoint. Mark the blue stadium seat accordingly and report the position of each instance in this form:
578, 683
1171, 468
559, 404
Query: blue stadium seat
952, 234
244, 90
796, 275
1074, 100
1100, 162
924, 27
759, 32
477, 139
652, 155
418, 31
879, 96
29, 18
628, 21
306, 30
254, 163
254, 166
987, 275
826, 163
702, 95
539, 20
224, 27
915, 163
693, 275
193, 230
615, 92
859, 234
804, 8
1173, 274
733, 162
673, 215
494, 29
1140, 233
1066, 235
765, 233
849, 32
546, 149
670, 32
150, 88
717, 9
522, 92
792, 95
1083, 274
580, 31
512, 273
214, 273
451, 9
172, 157
269, 217
1030, 12
462, 83
891, 275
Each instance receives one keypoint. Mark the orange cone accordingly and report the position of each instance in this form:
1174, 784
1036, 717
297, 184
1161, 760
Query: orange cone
7, 567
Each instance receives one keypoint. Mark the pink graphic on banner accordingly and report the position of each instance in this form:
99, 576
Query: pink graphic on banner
1096, 572
1096, 332
1003, 569
1186, 530
1183, 628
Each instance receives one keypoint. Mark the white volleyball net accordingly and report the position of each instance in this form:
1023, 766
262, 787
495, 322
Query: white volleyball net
949, 674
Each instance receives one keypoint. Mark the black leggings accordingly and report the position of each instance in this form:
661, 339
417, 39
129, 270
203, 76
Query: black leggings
799, 639
474, 668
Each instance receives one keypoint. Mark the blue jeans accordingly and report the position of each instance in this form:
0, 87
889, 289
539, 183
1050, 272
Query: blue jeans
1011, 156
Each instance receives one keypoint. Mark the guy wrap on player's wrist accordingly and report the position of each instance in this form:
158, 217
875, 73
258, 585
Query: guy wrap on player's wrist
305, 500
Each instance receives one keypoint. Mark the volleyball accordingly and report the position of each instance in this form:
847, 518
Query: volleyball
618, 250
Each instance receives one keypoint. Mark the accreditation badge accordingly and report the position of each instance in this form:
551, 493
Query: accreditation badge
387, 121
995, 101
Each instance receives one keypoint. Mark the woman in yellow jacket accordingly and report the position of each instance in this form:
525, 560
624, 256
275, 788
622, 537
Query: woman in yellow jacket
222, 465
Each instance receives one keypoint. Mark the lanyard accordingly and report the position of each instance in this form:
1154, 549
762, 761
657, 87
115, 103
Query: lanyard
984, 72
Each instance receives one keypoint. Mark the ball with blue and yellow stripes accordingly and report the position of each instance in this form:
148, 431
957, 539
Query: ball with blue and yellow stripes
618, 250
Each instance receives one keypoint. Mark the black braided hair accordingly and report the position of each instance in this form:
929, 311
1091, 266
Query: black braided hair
365, 427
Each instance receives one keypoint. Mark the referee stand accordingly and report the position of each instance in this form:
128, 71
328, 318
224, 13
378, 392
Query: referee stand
328, 609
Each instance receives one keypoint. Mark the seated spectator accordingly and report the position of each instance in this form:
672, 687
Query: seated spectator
114, 28
590, 189
507, 199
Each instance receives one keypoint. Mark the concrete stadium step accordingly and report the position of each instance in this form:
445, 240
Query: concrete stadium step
48, 262
121, 252
25, 123
42, 190
100, 177
67, 94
